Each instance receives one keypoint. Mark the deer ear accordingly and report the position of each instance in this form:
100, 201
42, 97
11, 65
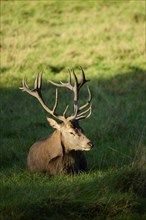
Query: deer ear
53, 123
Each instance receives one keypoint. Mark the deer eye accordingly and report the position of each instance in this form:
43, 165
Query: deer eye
72, 133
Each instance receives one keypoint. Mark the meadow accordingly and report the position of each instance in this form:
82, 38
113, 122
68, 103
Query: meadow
106, 38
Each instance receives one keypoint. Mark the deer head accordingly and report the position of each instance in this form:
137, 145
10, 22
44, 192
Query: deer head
71, 134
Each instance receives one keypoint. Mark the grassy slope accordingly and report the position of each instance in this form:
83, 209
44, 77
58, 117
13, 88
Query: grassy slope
107, 39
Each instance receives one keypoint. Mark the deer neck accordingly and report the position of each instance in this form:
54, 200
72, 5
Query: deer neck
59, 140
64, 148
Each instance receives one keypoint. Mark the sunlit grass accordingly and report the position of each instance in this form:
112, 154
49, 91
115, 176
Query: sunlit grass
107, 38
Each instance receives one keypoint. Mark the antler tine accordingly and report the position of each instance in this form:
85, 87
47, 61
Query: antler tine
38, 81
25, 88
69, 81
24, 85
36, 92
75, 91
56, 102
56, 84
65, 111
65, 85
76, 79
55, 107
83, 114
76, 88
83, 81
89, 100
73, 88
90, 112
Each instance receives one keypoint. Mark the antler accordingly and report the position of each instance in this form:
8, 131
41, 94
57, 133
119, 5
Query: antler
79, 112
76, 88
36, 92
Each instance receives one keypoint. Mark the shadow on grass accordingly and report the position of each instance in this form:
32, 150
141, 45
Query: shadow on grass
97, 197
55, 69
4, 69
119, 120
112, 189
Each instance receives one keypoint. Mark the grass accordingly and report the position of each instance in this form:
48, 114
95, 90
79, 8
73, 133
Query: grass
107, 38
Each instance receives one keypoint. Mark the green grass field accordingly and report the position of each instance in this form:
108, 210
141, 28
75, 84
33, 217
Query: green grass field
106, 38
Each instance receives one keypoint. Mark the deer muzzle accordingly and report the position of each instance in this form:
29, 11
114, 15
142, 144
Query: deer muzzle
89, 146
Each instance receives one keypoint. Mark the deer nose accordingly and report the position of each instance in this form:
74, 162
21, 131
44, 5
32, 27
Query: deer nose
90, 144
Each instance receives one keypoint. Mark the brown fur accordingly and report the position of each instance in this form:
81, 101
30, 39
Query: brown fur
51, 155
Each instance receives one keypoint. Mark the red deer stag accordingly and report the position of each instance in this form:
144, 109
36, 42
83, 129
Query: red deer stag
62, 152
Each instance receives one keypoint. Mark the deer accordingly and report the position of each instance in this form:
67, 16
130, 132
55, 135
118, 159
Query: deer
62, 151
